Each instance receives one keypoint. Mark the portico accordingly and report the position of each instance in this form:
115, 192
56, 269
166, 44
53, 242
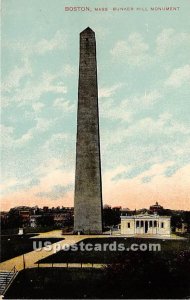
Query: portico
146, 224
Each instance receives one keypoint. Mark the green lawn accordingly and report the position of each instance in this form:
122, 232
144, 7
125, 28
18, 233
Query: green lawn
128, 275
140, 279
168, 248
14, 245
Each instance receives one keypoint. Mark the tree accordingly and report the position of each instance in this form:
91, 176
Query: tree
46, 220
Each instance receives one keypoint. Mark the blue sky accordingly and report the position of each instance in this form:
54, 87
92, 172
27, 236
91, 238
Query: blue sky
144, 86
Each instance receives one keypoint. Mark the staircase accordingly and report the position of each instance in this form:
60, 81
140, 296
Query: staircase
6, 278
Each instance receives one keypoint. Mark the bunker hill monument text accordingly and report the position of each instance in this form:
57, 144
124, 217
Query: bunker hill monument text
88, 183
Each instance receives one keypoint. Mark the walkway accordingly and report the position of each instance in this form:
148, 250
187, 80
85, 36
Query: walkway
32, 257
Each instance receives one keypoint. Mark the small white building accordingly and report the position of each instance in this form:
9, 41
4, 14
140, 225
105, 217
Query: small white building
146, 224
34, 220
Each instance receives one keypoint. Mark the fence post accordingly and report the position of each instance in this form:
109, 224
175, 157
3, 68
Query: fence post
24, 264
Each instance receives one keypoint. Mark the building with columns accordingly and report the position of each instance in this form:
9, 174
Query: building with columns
145, 224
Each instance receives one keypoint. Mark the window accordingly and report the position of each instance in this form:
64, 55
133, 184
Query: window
142, 224
150, 224
162, 224
155, 223
137, 224
128, 225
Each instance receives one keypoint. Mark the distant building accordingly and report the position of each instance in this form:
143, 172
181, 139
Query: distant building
156, 208
34, 220
60, 218
4, 218
25, 215
20, 231
146, 224
117, 208
141, 211
125, 209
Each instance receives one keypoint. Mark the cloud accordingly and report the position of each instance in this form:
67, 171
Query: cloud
52, 172
42, 125
133, 51
63, 104
141, 191
48, 166
57, 42
171, 192
110, 109
146, 141
134, 133
179, 76
12, 81
130, 172
21, 84
10, 141
37, 107
164, 124
57, 192
28, 48
169, 39
6, 136
55, 141
147, 127
24, 138
6, 184
49, 181
148, 99
125, 110
54, 182
106, 92
69, 70
32, 91
6, 131
61, 146
156, 170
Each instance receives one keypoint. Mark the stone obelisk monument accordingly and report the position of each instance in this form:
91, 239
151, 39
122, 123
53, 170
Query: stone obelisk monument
88, 185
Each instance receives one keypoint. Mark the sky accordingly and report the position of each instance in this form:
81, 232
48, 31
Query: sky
144, 88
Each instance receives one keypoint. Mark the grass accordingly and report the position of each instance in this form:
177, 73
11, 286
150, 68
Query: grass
46, 283
27, 230
15, 245
140, 280
128, 275
168, 248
